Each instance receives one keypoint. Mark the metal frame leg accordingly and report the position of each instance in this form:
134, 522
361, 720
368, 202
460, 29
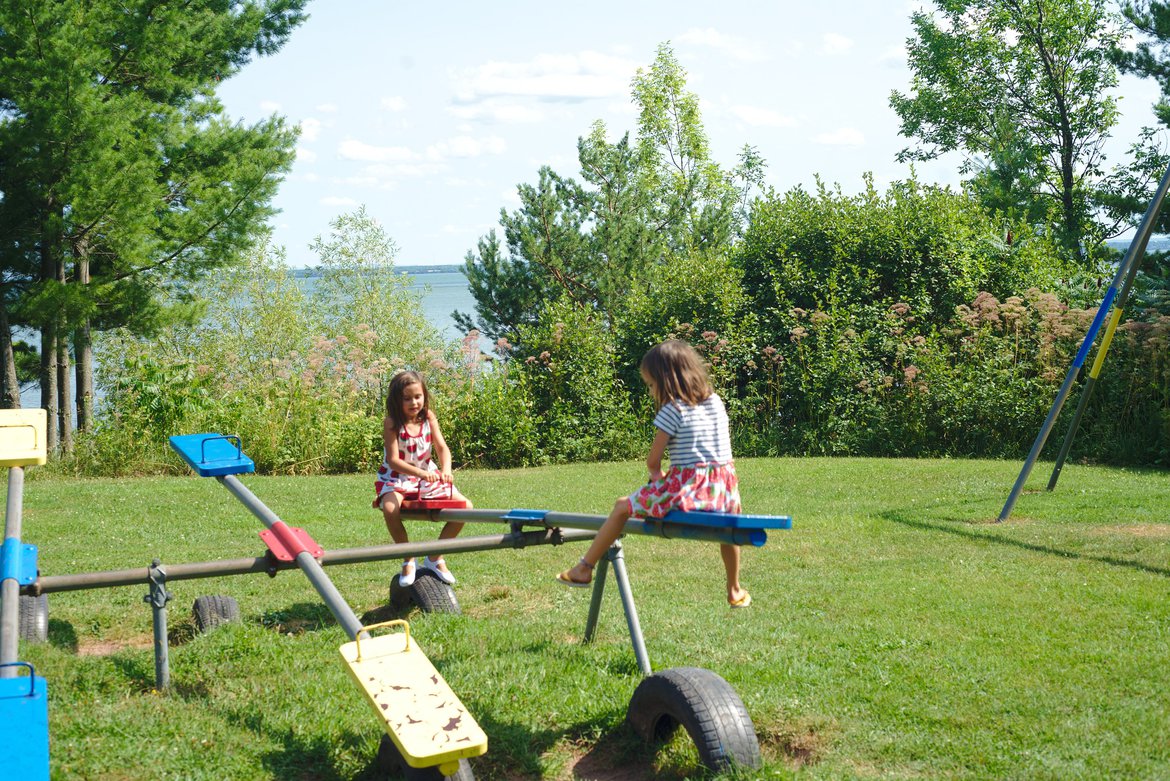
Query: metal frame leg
615, 556
158, 599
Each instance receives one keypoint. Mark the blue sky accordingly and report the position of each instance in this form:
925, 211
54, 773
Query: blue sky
430, 114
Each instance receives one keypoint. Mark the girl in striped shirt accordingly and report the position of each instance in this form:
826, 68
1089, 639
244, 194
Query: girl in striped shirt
692, 429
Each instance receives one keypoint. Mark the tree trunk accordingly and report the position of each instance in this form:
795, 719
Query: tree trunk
10, 398
49, 383
64, 402
83, 354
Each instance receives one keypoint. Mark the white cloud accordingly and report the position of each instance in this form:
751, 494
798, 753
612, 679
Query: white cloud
466, 146
327, 108
394, 103
306, 155
333, 200
492, 111
310, 129
765, 117
728, 45
845, 136
269, 106
570, 77
894, 54
351, 149
834, 43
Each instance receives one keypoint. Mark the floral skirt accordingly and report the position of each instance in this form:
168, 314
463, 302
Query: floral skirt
707, 487
411, 488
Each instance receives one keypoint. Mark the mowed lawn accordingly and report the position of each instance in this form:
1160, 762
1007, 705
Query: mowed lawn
897, 631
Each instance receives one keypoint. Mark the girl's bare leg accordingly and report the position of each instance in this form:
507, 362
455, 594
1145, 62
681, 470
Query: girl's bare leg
730, 556
392, 513
613, 527
449, 531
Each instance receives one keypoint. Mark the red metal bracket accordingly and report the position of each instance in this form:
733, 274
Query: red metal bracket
286, 542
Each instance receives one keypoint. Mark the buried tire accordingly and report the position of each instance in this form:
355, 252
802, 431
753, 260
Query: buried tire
213, 611
707, 708
34, 618
428, 592
390, 762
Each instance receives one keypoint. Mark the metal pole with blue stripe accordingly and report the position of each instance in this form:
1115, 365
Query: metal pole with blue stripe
1132, 256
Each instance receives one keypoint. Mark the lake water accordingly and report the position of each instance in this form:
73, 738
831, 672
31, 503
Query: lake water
443, 289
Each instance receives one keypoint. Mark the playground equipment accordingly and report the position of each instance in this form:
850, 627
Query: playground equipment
697, 699
1119, 290
429, 725
24, 738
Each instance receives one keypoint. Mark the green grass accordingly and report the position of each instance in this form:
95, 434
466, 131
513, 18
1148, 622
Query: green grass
896, 631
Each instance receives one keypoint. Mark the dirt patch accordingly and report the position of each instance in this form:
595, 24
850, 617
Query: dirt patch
797, 745
106, 647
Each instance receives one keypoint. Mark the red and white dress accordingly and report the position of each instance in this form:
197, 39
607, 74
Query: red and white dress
416, 451
702, 471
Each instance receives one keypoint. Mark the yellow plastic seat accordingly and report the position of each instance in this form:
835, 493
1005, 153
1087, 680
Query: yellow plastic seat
424, 718
22, 437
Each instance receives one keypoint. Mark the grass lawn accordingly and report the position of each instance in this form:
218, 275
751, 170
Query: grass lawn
896, 630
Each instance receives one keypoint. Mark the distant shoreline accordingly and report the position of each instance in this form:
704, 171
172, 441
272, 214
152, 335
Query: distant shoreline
411, 270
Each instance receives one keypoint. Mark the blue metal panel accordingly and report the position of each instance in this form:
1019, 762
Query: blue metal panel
525, 515
729, 520
213, 455
18, 562
24, 740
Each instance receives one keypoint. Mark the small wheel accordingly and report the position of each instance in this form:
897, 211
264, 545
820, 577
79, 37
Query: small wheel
433, 595
34, 618
214, 611
706, 706
391, 763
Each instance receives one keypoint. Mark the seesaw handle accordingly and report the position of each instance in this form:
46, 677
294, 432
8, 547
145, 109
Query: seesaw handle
228, 437
398, 621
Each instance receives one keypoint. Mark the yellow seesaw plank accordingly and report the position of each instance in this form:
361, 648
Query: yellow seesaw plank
422, 715
22, 437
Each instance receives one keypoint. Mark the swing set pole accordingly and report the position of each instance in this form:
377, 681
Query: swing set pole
1137, 249
1125, 271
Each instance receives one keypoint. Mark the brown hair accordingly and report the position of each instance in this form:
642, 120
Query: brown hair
677, 373
398, 385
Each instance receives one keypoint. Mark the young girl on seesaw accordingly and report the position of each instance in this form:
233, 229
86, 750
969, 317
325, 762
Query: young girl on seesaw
692, 427
410, 438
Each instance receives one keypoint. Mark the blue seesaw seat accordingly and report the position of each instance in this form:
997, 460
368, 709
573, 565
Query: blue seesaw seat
213, 455
729, 520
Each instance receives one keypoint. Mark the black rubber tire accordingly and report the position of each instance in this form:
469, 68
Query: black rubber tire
391, 763
34, 618
706, 706
213, 611
433, 595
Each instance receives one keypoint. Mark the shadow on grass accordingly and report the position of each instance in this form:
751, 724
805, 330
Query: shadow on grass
303, 756
61, 634
939, 526
517, 750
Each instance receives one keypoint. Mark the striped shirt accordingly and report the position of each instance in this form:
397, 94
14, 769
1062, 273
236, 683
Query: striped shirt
698, 434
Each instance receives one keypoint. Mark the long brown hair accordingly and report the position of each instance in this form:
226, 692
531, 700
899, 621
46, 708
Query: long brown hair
398, 385
677, 373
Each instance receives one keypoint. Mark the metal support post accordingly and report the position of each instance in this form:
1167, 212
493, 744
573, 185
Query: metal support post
595, 600
627, 594
10, 588
158, 599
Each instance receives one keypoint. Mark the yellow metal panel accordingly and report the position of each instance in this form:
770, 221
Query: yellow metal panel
421, 713
22, 437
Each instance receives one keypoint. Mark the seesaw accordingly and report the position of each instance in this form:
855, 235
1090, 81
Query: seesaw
420, 713
24, 714
699, 700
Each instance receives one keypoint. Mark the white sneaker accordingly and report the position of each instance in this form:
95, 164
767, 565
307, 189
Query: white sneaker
443, 575
409, 570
